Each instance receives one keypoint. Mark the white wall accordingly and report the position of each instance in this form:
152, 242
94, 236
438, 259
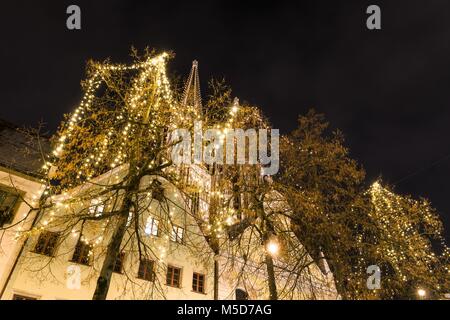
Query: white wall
44, 278
9, 245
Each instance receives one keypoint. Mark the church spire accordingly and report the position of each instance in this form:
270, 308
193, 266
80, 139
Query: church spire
191, 94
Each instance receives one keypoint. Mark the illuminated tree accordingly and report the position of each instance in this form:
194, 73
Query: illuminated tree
257, 225
403, 245
111, 178
111, 142
112, 162
338, 220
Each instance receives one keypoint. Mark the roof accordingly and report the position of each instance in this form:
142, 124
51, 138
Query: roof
20, 151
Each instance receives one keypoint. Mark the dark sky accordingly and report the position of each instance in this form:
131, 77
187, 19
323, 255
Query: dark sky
387, 90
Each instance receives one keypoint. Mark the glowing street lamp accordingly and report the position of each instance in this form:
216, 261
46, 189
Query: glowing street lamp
421, 293
273, 247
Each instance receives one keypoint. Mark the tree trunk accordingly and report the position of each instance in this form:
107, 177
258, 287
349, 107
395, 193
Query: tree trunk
216, 277
104, 279
271, 278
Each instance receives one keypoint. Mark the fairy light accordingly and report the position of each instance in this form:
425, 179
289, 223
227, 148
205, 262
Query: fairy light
151, 69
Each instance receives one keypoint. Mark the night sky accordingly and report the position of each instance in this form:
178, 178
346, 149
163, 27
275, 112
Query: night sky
388, 90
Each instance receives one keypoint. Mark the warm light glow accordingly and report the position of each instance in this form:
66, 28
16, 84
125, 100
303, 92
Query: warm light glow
273, 247
422, 293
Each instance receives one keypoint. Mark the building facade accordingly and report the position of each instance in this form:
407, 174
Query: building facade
34, 267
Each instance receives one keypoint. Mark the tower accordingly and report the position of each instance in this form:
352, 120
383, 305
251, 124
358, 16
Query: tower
191, 95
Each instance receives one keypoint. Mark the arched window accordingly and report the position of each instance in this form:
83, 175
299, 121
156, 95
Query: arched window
241, 294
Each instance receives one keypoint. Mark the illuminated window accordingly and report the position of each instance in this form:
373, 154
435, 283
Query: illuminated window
177, 234
130, 218
97, 207
198, 282
82, 253
146, 270
118, 264
46, 243
173, 276
8, 204
151, 228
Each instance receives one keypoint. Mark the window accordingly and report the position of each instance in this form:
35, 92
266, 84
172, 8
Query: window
173, 276
146, 270
82, 253
8, 201
237, 201
195, 202
22, 297
118, 264
198, 282
151, 228
157, 190
184, 175
130, 217
97, 207
46, 243
177, 234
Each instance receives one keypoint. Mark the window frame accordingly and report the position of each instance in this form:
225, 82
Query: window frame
199, 278
12, 210
143, 276
49, 235
152, 227
195, 203
171, 282
97, 207
82, 245
120, 258
174, 235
